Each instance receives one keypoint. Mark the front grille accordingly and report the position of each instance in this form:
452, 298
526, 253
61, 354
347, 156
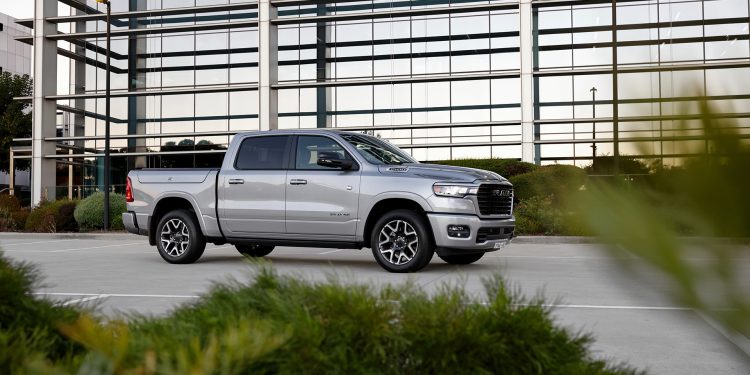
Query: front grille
494, 199
490, 234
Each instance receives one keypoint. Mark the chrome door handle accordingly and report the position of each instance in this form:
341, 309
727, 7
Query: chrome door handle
236, 181
298, 181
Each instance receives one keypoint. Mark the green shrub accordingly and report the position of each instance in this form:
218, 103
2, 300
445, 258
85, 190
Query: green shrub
7, 223
504, 167
281, 324
10, 202
555, 181
90, 211
41, 219
12, 215
50, 217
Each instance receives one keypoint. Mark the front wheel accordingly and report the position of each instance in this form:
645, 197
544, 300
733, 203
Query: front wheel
401, 241
180, 239
254, 251
461, 258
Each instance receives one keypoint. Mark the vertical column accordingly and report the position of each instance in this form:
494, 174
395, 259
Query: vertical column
527, 80
268, 66
136, 82
323, 70
43, 171
78, 86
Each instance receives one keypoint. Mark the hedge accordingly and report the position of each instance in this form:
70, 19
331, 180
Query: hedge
504, 167
556, 181
12, 215
90, 212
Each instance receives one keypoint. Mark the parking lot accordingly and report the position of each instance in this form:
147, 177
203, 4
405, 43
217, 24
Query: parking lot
631, 318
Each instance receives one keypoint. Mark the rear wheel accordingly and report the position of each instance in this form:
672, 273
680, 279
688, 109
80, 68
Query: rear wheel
461, 258
401, 242
180, 240
254, 251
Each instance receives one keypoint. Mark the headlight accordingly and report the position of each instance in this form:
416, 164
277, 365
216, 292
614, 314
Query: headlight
457, 191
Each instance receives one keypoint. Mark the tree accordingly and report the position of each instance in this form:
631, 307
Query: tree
15, 116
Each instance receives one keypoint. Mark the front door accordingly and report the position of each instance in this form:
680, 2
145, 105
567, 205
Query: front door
252, 191
321, 202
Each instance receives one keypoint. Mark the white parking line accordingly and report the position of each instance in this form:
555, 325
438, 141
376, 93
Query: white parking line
36, 242
115, 295
95, 247
82, 300
331, 252
70, 250
611, 307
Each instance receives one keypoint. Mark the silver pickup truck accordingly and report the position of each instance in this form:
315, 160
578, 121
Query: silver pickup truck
322, 188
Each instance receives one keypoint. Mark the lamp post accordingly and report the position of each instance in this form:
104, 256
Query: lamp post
593, 123
107, 181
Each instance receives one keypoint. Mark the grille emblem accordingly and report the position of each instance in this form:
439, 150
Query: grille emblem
501, 193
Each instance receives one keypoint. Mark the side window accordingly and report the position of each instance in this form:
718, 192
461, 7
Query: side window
308, 147
262, 153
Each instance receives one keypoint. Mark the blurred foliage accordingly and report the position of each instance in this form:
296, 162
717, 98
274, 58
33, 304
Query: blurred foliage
28, 325
15, 116
90, 211
706, 198
504, 167
286, 325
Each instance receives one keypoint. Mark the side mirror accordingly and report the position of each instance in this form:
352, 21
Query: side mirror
333, 160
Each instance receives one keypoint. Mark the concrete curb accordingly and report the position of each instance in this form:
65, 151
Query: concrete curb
128, 236
555, 240
71, 236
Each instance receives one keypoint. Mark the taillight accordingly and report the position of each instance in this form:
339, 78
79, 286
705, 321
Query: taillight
129, 191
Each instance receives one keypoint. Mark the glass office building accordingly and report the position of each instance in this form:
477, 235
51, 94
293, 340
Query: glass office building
540, 81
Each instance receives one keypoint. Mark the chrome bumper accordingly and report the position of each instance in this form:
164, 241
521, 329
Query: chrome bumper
440, 223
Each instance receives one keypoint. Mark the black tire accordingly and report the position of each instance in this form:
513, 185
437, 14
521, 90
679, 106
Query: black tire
255, 251
170, 237
393, 256
461, 258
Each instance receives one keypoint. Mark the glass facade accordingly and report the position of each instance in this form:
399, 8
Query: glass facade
443, 79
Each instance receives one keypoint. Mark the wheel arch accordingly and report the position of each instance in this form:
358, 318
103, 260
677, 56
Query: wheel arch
387, 204
168, 204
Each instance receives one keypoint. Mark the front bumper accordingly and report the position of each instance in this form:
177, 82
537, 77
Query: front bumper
130, 222
503, 232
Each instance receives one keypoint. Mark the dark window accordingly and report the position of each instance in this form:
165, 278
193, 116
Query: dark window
308, 148
262, 153
1, 26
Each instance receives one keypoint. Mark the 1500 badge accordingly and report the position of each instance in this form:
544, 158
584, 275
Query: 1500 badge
339, 214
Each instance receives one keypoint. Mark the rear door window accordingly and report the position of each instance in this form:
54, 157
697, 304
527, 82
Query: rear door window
263, 153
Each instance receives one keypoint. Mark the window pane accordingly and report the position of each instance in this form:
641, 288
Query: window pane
262, 153
309, 147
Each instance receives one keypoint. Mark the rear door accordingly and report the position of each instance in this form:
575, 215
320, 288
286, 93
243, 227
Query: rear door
253, 190
322, 202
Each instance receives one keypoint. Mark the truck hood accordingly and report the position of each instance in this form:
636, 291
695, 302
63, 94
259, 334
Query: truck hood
442, 172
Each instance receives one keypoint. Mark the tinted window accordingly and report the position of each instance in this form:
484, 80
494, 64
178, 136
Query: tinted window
308, 148
262, 153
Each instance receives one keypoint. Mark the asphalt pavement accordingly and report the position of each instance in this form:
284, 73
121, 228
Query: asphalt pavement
633, 319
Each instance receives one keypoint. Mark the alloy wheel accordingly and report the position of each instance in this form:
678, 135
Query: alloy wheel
175, 237
398, 242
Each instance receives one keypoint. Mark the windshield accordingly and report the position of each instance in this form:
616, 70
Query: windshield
377, 151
